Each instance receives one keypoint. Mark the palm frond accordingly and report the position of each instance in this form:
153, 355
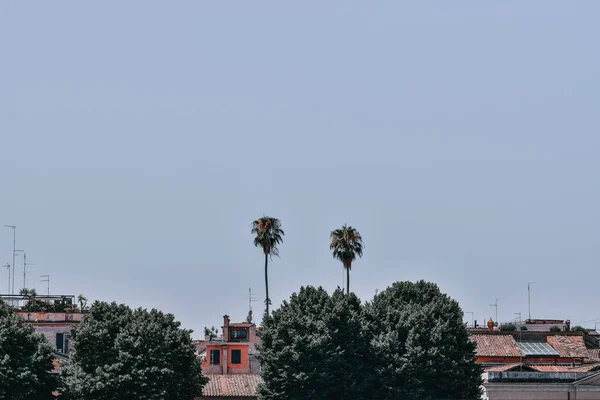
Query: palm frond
268, 234
346, 245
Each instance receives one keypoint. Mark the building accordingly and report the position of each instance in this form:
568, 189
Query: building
537, 364
230, 362
533, 385
55, 326
234, 352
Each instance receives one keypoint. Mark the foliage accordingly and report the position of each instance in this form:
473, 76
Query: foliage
82, 300
25, 360
346, 244
508, 327
523, 328
578, 328
211, 333
420, 345
268, 235
555, 329
408, 343
119, 354
312, 347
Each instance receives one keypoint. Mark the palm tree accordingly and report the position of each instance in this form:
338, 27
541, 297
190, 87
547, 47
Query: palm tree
268, 235
346, 244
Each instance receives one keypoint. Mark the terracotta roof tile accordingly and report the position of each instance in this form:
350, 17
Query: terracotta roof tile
502, 368
234, 385
568, 346
593, 354
496, 346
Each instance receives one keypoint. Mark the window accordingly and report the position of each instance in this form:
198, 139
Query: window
238, 334
236, 356
215, 357
62, 342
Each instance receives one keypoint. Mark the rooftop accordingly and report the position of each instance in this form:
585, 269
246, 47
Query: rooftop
233, 385
496, 345
568, 346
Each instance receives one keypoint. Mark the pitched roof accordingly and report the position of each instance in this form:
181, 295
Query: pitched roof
234, 385
593, 354
503, 367
496, 346
568, 346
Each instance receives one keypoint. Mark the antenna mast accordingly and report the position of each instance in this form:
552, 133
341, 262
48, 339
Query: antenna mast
496, 306
529, 296
7, 266
46, 279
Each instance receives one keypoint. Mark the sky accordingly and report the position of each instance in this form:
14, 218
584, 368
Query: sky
140, 139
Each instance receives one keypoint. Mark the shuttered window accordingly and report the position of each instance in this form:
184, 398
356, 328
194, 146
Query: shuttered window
215, 357
60, 342
236, 356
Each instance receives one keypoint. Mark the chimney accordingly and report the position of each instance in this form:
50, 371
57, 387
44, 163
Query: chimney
475, 324
491, 325
568, 323
226, 328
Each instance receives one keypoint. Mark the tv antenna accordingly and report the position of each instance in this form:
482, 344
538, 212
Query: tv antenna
7, 266
496, 306
25, 270
251, 298
529, 296
46, 279
472, 317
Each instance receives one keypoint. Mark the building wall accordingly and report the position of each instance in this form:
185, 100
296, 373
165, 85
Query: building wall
242, 368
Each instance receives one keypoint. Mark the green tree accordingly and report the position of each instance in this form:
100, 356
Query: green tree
82, 300
312, 347
25, 360
508, 327
555, 329
268, 235
420, 346
120, 354
346, 244
578, 328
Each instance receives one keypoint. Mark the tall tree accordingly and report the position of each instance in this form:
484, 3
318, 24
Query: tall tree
267, 235
312, 347
420, 345
346, 244
26, 360
119, 354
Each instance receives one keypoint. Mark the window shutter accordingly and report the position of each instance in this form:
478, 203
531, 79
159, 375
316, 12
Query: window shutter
60, 342
236, 356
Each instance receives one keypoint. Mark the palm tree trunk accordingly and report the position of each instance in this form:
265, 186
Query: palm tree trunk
347, 280
267, 300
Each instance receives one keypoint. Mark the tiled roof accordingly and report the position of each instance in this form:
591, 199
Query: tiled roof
233, 385
496, 346
593, 354
568, 346
241, 325
502, 368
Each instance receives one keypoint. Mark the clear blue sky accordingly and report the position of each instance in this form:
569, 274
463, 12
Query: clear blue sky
139, 139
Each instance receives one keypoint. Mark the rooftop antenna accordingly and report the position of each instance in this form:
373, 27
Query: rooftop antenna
529, 296
14, 228
25, 270
472, 317
46, 279
7, 266
251, 299
496, 306
519, 314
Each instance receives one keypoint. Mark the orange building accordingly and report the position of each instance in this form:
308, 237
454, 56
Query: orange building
234, 353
